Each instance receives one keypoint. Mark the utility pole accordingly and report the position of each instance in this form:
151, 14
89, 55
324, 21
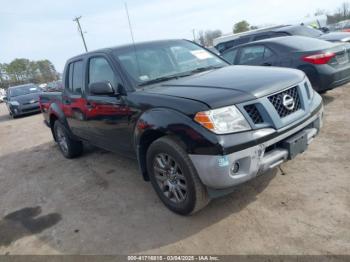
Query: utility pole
76, 19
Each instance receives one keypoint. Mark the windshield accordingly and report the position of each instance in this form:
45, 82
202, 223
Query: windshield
23, 90
162, 60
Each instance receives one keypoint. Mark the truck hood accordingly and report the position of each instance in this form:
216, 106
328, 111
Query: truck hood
26, 99
336, 36
230, 85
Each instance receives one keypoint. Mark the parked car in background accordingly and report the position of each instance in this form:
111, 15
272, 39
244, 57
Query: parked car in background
196, 125
54, 86
2, 98
23, 99
326, 64
343, 26
225, 42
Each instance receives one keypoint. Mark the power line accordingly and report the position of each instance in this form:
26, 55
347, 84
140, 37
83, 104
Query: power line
76, 19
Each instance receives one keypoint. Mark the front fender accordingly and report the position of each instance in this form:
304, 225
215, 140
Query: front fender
195, 138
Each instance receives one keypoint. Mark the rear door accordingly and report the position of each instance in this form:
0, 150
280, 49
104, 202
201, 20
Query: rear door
256, 55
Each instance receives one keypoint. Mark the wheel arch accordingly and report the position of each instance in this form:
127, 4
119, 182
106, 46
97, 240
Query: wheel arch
55, 113
156, 123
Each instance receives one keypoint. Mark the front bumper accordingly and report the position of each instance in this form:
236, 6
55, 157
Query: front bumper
25, 109
217, 171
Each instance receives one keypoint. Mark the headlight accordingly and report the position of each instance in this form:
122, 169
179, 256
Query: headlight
14, 103
223, 120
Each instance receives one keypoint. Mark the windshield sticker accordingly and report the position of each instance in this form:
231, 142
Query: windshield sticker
201, 54
144, 78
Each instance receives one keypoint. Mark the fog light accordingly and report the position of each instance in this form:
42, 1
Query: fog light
234, 168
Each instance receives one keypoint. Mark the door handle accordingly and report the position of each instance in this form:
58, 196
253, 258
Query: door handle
66, 101
90, 105
266, 64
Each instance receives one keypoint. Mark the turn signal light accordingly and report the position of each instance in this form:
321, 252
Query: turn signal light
204, 120
319, 59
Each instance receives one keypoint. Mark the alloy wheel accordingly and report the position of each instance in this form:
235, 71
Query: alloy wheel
62, 140
170, 178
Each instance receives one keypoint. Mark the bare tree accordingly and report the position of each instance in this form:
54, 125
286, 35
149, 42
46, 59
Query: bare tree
206, 38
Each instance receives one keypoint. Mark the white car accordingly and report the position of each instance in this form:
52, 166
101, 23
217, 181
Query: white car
2, 98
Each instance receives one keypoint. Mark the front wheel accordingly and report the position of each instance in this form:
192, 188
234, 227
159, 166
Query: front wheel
174, 177
69, 147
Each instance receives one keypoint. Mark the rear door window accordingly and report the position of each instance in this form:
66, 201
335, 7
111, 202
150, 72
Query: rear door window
254, 55
251, 55
230, 55
76, 77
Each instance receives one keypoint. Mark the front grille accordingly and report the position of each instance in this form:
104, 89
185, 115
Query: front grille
254, 114
30, 109
277, 101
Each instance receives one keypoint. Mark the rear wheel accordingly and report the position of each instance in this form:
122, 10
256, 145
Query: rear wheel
174, 177
69, 147
12, 114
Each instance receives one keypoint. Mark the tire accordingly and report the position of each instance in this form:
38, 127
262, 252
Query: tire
69, 147
171, 171
12, 115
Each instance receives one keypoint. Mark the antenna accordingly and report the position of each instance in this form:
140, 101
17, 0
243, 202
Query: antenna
132, 38
76, 19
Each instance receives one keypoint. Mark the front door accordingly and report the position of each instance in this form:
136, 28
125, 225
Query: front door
108, 117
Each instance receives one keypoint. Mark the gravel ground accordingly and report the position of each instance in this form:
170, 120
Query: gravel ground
98, 203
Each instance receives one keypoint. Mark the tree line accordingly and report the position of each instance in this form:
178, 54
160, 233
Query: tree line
22, 71
340, 14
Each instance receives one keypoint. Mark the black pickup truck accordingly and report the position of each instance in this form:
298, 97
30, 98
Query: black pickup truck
196, 125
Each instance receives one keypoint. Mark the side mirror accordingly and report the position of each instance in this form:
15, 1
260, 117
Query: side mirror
101, 88
4, 98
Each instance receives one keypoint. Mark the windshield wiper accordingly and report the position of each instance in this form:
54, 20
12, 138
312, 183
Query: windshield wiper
203, 69
176, 76
163, 78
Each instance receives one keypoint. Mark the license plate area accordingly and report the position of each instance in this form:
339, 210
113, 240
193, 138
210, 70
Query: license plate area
342, 58
295, 144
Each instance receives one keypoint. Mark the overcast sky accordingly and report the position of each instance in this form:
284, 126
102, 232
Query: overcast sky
43, 29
